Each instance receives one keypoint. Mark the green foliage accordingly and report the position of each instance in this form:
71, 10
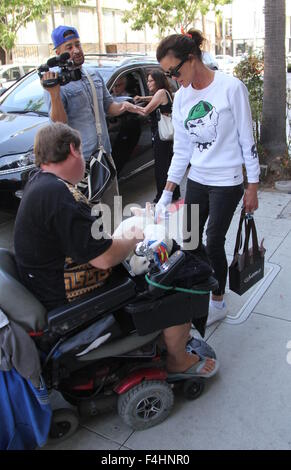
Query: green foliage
250, 72
168, 14
17, 13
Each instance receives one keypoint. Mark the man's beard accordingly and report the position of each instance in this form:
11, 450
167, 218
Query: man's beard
78, 61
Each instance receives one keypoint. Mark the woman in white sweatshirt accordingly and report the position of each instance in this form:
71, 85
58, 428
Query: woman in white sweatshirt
213, 132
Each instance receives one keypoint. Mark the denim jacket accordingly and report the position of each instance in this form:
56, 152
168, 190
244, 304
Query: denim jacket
78, 104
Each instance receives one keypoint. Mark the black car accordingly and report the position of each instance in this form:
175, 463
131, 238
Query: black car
23, 111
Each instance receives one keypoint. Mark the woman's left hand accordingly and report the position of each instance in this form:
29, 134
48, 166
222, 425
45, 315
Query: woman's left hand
250, 200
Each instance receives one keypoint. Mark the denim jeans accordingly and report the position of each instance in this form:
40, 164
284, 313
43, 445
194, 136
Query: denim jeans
217, 204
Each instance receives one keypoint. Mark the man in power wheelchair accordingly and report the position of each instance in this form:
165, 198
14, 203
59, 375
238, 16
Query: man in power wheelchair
96, 328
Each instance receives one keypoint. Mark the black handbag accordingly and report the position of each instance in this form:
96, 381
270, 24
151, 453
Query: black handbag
100, 175
100, 171
247, 268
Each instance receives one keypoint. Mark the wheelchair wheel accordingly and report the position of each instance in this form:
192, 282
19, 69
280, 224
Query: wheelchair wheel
146, 404
63, 425
192, 388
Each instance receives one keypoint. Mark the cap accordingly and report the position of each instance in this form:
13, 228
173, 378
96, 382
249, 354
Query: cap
198, 111
59, 35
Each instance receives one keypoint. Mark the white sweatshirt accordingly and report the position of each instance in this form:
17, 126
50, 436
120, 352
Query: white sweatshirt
213, 131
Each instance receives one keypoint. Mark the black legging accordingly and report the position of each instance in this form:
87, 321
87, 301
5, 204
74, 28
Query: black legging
163, 153
219, 204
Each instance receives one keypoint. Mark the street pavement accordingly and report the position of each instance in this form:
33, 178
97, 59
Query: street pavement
247, 404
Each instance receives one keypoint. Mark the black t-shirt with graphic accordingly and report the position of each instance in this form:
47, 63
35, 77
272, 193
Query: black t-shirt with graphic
53, 241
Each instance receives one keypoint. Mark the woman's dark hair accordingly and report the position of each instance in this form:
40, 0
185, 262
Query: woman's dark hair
181, 45
52, 143
160, 80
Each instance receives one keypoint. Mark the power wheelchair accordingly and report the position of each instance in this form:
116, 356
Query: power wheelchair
104, 351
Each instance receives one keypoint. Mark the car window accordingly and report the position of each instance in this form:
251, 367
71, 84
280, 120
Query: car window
27, 96
28, 68
5, 75
127, 84
15, 73
12, 73
105, 72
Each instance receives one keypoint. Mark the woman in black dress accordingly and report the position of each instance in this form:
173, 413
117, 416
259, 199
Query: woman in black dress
161, 100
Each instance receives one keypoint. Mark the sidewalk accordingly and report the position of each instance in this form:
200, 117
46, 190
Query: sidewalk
247, 405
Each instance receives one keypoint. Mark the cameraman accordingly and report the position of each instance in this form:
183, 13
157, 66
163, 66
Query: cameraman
72, 103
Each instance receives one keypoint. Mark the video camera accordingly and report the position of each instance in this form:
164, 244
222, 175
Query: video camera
67, 74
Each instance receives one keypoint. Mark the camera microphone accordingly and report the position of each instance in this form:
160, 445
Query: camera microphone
55, 61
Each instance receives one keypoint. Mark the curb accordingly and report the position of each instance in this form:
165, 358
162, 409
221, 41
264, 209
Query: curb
283, 186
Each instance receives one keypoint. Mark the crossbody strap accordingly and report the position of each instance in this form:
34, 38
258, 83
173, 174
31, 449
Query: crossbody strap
96, 107
169, 95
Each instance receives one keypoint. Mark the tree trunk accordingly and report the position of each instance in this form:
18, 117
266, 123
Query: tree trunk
53, 14
8, 56
2, 56
100, 26
218, 36
273, 129
203, 25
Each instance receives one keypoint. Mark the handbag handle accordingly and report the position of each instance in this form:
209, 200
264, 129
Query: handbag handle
246, 243
255, 237
169, 95
238, 242
250, 229
96, 108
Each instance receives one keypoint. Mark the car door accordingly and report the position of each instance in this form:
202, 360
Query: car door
130, 133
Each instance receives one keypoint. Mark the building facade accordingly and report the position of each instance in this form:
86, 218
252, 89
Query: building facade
248, 25
34, 42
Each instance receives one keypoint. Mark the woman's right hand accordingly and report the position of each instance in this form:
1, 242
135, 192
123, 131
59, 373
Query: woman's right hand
250, 199
161, 206
137, 98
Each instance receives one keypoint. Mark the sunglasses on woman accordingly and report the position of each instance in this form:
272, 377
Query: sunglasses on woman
175, 71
